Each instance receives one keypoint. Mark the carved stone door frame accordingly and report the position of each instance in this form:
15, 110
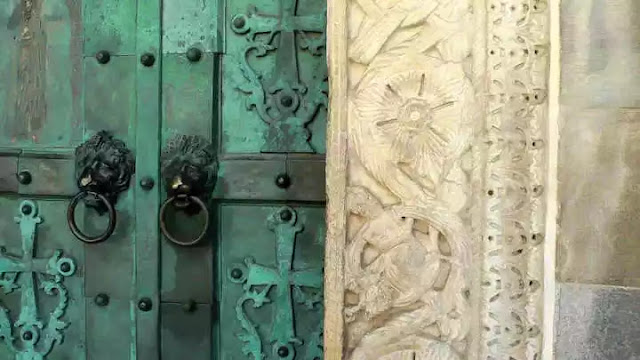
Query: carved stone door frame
441, 179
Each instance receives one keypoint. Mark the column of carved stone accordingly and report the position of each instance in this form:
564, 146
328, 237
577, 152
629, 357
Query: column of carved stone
434, 175
512, 273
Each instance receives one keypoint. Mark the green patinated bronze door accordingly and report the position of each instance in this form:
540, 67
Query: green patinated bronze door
162, 179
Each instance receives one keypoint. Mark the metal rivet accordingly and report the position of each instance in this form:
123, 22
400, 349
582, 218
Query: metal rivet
103, 56
101, 300
147, 183
189, 306
236, 273
283, 351
26, 209
194, 54
239, 22
28, 335
65, 267
286, 101
24, 177
144, 304
283, 181
147, 59
286, 215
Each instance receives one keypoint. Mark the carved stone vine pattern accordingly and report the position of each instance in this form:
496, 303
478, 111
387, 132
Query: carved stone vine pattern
514, 179
412, 123
282, 99
446, 175
28, 337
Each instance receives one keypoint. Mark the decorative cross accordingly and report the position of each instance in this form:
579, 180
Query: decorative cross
278, 99
285, 279
50, 273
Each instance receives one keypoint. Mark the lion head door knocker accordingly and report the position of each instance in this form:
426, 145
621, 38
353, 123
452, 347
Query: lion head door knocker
104, 166
189, 169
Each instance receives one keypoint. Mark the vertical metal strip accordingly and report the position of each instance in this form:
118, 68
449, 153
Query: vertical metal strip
147, 237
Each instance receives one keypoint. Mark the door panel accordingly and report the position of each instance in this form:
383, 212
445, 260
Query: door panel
68, 296
109, 26
146, 72
252, 250
186, 327
55, 99
274, 78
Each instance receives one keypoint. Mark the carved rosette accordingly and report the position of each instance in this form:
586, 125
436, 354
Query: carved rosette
436, 231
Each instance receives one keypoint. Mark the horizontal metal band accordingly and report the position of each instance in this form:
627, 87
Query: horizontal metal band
238, 179
256, 180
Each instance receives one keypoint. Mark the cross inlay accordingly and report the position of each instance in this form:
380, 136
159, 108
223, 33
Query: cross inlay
36, 339
281, 99
288, 285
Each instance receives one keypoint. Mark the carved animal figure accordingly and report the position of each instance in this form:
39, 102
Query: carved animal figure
103, 165
188, 164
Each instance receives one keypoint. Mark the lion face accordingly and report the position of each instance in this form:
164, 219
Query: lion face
188, 166
103, 165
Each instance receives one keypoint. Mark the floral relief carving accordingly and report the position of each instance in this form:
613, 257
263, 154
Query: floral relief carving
411, 126
445, 160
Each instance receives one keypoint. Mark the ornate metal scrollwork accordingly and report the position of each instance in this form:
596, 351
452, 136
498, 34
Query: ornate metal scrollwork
189, 169
283, 100
104, 166
257, 280
36, 338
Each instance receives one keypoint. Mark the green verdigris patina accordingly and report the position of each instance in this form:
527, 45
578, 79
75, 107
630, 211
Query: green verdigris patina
36, 338
257, 282
281, 99
147, 71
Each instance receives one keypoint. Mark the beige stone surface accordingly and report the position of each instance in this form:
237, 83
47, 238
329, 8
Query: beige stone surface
599, 193
600, 53
435, 179
599, 148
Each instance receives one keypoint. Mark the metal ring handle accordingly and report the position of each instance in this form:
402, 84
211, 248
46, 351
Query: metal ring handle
71, 219
163, 225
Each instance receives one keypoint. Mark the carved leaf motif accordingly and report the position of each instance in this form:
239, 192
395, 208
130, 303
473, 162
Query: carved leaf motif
426, 162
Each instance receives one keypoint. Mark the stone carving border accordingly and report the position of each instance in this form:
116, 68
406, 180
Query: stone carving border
436, 170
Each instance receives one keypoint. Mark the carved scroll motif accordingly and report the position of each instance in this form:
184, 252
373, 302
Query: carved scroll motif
445, 173
512, 276
411, 128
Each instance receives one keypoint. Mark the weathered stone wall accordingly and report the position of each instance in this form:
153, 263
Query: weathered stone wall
598, 246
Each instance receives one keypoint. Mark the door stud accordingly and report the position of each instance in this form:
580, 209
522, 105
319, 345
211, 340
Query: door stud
283, 181
147, 59
103, 57
101, 300
194, 54
24, 177
147, 183
145, 304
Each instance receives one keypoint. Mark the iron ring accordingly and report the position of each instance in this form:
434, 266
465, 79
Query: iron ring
71, 219
163, 224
